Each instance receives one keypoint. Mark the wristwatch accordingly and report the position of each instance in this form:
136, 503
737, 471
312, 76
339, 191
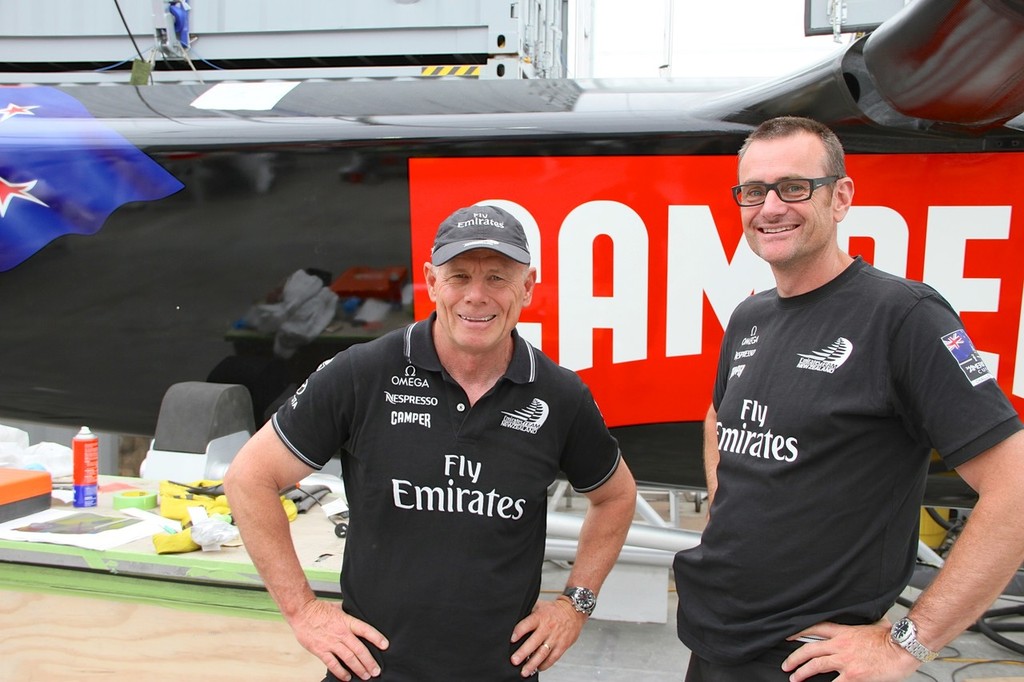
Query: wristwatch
581, 598
904, 633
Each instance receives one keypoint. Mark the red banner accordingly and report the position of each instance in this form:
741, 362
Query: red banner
641, 260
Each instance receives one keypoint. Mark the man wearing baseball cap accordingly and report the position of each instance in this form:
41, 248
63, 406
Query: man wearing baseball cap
480, 227
450, 430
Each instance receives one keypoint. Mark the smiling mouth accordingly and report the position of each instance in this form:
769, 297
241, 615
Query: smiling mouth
486, 318
775, 230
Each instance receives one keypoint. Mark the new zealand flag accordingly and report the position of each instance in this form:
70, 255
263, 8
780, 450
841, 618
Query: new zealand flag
63, 172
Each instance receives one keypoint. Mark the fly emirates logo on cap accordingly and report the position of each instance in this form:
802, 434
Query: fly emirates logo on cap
480, 219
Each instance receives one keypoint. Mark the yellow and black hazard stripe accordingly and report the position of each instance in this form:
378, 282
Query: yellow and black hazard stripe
464, 71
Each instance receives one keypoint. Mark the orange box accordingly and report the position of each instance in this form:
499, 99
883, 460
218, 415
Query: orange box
383, 283
23, 492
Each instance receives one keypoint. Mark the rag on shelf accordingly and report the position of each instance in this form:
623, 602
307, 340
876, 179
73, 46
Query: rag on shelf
305, 309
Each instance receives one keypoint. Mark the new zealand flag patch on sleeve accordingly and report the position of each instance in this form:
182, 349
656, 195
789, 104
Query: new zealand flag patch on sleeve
960, 347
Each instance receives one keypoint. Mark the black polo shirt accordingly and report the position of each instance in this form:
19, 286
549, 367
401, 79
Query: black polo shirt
828, 406
448, 503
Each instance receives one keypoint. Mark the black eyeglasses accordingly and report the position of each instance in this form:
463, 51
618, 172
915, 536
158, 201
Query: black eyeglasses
790, 191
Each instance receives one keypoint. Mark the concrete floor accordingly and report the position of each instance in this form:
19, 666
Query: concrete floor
650, 652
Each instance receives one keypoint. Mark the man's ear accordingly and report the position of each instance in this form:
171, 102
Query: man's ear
528, 284
430, 277
843, 198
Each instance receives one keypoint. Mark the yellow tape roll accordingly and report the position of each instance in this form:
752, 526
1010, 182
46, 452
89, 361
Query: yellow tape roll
137, 499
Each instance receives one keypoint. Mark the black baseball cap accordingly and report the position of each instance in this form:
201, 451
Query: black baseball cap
480, 227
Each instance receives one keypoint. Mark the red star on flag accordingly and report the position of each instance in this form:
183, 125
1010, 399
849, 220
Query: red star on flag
16, 190
15, 109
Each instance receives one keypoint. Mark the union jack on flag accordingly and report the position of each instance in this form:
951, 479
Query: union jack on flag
63, 172
959, 345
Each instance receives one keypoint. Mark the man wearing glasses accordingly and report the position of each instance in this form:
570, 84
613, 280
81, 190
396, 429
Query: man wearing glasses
832, 391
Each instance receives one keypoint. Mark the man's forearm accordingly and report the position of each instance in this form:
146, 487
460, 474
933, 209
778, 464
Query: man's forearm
983, 560
253, 484
598, 549
267, 536
711, 454
604, 531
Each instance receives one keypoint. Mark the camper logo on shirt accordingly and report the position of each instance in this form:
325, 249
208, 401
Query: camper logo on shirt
971, 364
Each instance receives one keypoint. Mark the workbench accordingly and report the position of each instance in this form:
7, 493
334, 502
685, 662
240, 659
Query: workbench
130, 614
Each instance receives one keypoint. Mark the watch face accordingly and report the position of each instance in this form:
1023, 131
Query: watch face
585, 598
582, 598
902, 630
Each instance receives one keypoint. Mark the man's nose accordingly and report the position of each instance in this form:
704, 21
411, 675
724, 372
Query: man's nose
475, 289
773, 203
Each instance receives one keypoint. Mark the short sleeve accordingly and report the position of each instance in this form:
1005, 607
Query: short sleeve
591, 453
945, 393
312, 423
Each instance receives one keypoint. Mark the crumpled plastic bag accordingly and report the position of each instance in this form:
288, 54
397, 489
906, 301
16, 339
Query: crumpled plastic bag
14, 436
16, 453
213, 532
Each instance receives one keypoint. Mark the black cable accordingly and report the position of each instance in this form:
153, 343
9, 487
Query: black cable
990, 630
939, 518
307, 494
904, 602
141, 60
117, 4
1006, 611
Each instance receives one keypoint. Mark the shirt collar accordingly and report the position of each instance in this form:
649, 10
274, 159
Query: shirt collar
419, 350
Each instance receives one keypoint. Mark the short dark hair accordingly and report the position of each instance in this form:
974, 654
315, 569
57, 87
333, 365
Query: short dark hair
784, 126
